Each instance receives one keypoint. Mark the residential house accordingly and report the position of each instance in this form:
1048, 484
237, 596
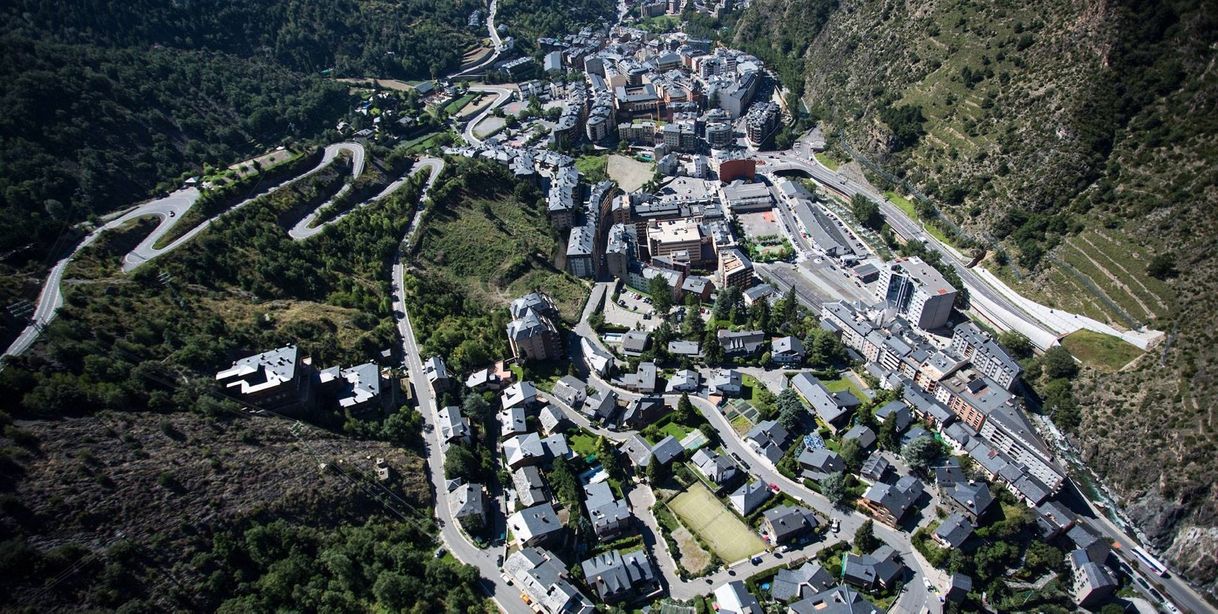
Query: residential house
437, 374
716, 468
787, 523
679, 347
741, 343
643, 411
617, 577
454, 428
1084, 538
787, 351
520, 394
888, 503
734, 598
552, 419
555, 446
535, 526
645, 380
970, 498
570, 390
769, 439
685, 380
749, 496
820, 463
467, 503
1092, 584
862, 434
512, 422
484, 379
277, 380
539, 302
602, 406
958, 588
530, 486
1053, 519
357, 390
875, 467
638, 451
800, 583
666, 450
596, 358
898, 410
521, 450
610, 516
882, 568
543, 578
834, 600
953, 531
833, 409
634, 342
725, 382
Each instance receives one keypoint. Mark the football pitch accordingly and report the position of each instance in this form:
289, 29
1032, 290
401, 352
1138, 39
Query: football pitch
715, 525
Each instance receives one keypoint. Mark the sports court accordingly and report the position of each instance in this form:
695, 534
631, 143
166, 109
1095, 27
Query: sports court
715, 525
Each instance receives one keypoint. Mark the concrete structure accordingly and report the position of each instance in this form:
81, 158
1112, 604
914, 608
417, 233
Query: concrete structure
533, 336
735, 269
679, 238
986, 355
916, 290
275, 380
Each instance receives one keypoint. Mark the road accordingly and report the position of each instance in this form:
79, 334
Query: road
494, 36
990, 297
503, 94
169, 210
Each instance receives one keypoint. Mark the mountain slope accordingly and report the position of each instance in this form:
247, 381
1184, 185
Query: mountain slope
1076, 142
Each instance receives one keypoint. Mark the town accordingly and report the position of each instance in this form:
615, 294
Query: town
761, 407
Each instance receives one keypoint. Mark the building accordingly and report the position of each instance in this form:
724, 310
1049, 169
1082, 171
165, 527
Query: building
787, 350
1008, 431
735, 269
888, 503
537, 301
716, 468
617, 577
761, 121
570, 390
741, 197
749, 497
769, 439
644, 380
734, 598
834, 409
579, 252
610, 516
685, 380
454, 428
788, 523
523, 450
741, 343
467, 503
986, 355
356, 390
834, 600
680, 238
862, 434
533, 336
801, 583
953, 532
1092, 584
530, 487
276, 380
725, 382
643, 411
598, 360
881, 568
917, 291
535, 526
543, 579
875, 467
520, 394
437, 374
719, 135
820, 463
666, 450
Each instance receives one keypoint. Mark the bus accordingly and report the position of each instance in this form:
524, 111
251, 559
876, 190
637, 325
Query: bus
1149, 562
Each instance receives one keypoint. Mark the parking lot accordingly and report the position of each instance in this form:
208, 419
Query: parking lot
631, 310
759, 224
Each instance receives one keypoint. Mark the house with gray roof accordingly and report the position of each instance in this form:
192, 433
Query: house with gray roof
1053, 519
875, 467
454, 428
715, 467
749, 496
552, 419
734, 598
643, 411
638, 451
1092, 583
888, 503
681, 347
483, 379
520, 394
685, 380
898, 410
953, 531
834, 409
538, 302
787, 523
602, 406
436, 373
596, 358
535, 526
467, 503
530, 486
725, 382
958, 588
880, 568
834, 600
521, 450
512, 422
666, 450
820, 463
634, 342
769, 438
926, 407
609, 516
862, 434
571, 390
645, 380
617, 577
787, 350
800, 583
544, 579
741, 343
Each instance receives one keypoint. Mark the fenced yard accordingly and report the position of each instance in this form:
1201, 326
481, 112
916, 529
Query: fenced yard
717, 527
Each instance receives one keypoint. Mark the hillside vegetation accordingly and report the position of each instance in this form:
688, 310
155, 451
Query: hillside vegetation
1075, 142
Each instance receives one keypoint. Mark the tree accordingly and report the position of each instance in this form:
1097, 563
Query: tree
790, 308
1059, 363
564, 484
865, 539
1162, 266
725, 300
867, 212
921, 452
1016, 343
661, 294
459, 462
790, 410
693, 326
685, 409
607, 455
852, 453
657, 472
823, 348
888, 433
759, 314
712, 350
835, 489
393, 591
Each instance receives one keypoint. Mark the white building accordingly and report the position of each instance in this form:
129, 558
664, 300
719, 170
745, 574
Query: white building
916, 290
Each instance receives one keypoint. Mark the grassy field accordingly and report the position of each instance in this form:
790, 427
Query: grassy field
1100, 351
827, 161
717, 526
676, 430
594, 168
844, 383
583, 443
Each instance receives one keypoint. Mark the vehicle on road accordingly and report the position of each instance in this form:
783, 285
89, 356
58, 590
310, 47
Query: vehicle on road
440, 552
835, 526
756, 560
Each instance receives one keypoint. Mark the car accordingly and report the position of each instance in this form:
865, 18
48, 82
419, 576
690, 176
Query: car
835, 526
756, 560
440, 552
173, 213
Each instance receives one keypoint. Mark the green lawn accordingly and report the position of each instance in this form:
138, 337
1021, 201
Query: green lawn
594, 168
715, 525
584, 443
827, 162
459, 103
1103, 352
844, 383
676, 430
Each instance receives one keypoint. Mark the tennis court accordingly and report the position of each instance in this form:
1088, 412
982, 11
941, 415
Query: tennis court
715, 525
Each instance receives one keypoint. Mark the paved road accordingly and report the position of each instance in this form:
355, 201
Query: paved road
304, 228
503, 94
494, 36
991, 297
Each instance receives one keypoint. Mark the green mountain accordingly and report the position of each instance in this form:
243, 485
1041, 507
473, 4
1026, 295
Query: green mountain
1076, 143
